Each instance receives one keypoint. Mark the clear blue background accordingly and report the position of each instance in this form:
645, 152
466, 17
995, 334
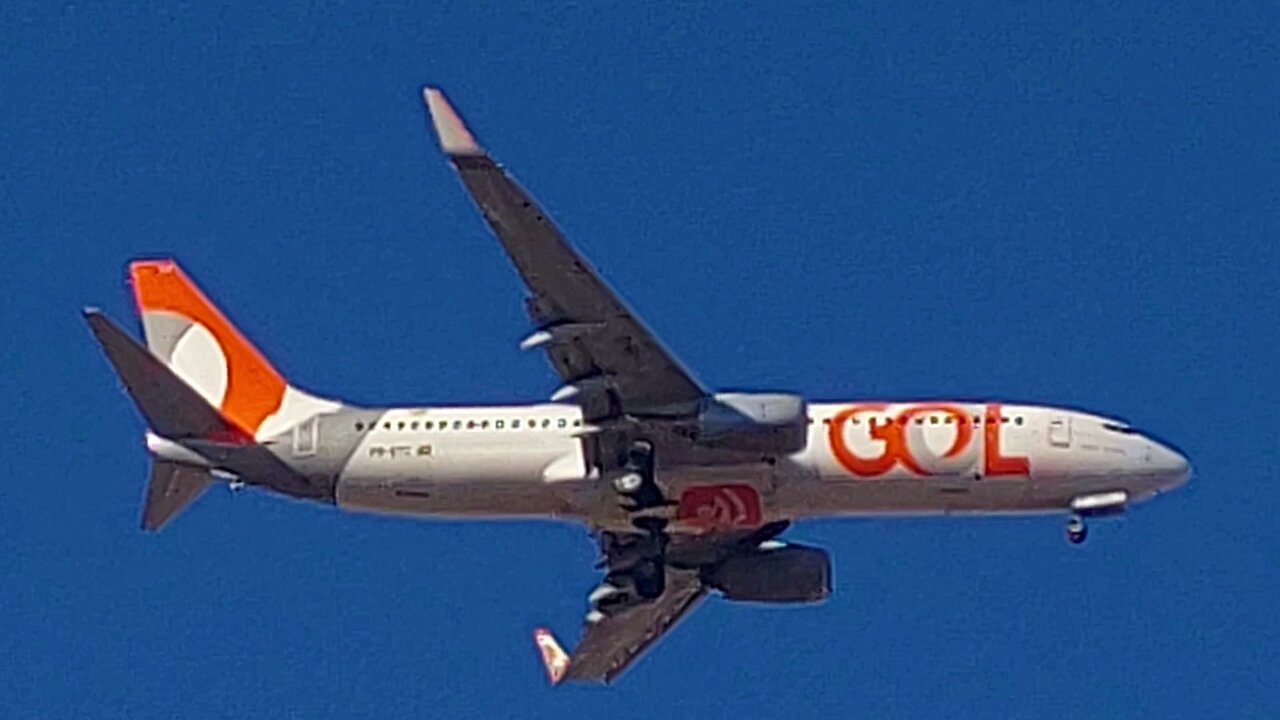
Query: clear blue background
1031, 202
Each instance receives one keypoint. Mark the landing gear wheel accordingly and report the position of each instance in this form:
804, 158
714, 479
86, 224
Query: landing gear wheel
624, 552
642, 582
650, 578
628, 483
635, 483
1077, 531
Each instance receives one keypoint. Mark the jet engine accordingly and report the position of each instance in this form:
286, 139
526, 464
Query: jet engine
774, 572
774, 423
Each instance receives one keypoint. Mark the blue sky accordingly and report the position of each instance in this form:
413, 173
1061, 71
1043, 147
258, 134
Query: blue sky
1057, 204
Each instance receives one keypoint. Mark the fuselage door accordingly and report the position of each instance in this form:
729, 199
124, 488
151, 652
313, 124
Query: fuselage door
1060, 430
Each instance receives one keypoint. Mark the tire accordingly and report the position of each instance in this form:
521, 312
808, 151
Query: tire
628, 483
650, 578
1077, 531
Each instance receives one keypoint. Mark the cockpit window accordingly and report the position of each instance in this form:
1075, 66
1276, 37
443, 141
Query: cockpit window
1122, 429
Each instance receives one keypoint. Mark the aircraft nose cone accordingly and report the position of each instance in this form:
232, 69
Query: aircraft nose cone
1168, 463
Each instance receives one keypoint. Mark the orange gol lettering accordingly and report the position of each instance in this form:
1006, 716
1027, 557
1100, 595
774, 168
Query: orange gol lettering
896, 448
993, 463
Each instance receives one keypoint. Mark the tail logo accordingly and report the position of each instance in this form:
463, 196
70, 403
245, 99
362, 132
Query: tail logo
197, 342
720, 507
198, 359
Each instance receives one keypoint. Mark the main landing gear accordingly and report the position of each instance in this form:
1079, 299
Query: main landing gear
636, 484
636, 562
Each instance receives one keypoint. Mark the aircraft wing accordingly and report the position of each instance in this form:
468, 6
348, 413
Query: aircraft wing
609, 645
609, 360
613, 636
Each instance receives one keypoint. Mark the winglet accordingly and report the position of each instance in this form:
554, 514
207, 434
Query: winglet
454, 137
554, 658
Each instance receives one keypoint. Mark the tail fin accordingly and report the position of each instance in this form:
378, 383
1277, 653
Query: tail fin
171, 488
554, 658
197, 342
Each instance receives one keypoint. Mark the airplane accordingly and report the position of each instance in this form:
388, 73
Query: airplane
686, 490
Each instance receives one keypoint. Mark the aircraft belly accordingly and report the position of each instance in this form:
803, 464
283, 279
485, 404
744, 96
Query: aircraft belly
906, 496
810, 497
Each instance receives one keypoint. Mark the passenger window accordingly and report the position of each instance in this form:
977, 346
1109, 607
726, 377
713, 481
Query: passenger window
546, 423
562, 422
427, 425
413, 425
498, 424
1017, 420
386, 426
359, 427
515, 424
457, 424
577, 423
484, 424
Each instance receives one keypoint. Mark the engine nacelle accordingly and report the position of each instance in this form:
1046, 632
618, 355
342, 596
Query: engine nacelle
774, 573
775, 423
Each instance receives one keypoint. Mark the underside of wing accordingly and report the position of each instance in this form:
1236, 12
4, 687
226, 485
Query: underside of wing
635, 606
611, 643
610, 362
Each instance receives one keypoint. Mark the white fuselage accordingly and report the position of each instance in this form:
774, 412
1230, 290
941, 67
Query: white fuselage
860, 458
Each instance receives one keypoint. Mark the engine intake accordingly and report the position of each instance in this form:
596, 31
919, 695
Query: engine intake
765, 422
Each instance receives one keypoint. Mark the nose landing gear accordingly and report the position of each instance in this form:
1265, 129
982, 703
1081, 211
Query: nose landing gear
1103, 504
1076, 530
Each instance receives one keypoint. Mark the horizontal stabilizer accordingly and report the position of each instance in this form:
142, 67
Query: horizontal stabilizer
171, 408
172, 487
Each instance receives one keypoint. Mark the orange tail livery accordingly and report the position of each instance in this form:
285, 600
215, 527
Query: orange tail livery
188, 333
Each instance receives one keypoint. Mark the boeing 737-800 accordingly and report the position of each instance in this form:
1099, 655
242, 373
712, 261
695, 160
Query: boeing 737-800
685, 489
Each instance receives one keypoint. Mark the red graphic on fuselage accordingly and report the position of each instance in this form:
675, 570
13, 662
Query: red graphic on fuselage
900, 446
720, 507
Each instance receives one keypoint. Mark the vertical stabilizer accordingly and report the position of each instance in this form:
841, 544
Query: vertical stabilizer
197, 342
171, 488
